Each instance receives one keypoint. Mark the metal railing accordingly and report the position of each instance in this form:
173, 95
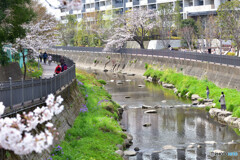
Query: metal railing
221, 59
16, 93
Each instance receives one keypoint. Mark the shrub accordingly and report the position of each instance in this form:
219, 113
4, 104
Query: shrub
230, 107
102, 81
207, 108
184, 92
231, 54
146, 65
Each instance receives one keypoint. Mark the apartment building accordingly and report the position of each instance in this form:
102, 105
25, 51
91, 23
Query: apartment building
190, 8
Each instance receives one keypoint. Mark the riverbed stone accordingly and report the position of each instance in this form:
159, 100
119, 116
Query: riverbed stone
160, 82
126, 143
140, 85
149, 79
199, 146
157, 106
130, 74
195, 97
119, 82
120, 147
175, 90
214, 111
166, 85
236, 123
167, 147
208, 100
223, 114
164, 101
127, 97
119, 152
125, 107
130, 153
190, 146
151, 111
147, 124
146, 106
217, 151
194, 102
112, 80
230, 119
136, 149
129, 137
105, 70
210, 142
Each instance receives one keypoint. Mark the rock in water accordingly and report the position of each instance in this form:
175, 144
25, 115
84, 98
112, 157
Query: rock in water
141, 85
130, 153
147, 124
130, 74
105, 70
119, 152
151, 111
127, 97
169, 147
146, 107
164, 101
136, 149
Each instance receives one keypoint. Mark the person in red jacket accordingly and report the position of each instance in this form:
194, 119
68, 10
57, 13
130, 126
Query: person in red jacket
58, 69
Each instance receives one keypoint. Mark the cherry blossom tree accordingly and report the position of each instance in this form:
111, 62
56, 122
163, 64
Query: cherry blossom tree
17, 134
68, 4
133, 25
41, 32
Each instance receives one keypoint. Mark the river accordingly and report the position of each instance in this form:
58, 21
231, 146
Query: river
177, 131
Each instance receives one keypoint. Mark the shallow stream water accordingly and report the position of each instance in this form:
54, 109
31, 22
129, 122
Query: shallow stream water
180, 132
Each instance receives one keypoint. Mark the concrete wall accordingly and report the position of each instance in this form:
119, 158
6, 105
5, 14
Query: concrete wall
221, 75
11, 70
64, 121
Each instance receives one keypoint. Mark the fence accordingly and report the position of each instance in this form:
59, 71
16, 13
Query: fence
15, 93
221, 59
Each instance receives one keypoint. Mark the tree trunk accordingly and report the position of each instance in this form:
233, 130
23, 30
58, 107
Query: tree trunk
141, 45
220, 46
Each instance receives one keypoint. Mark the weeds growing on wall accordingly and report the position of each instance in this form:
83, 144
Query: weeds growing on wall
95, 132
32, 70
192, 85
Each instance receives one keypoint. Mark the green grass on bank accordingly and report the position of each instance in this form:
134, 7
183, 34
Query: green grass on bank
95, 132
186, 84
32, 70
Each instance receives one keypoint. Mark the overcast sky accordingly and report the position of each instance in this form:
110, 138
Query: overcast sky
55, 12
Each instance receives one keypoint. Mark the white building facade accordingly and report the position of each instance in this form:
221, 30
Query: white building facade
189, 8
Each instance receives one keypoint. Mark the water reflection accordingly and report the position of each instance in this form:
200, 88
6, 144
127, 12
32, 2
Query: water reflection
186, 129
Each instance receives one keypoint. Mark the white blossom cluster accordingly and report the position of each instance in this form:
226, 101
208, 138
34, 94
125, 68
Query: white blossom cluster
41, 33
129, 26
16, 133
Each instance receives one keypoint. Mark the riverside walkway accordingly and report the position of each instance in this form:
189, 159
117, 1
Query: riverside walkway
48, 70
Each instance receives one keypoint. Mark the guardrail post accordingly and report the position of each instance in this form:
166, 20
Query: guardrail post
10, 83
46, 88
51, 85
55, 83
41, 94
60, 77
22, 92
32, 91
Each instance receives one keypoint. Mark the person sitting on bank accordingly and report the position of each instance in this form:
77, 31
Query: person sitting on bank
58, 69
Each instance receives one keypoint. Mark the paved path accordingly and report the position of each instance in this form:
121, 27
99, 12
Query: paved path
48, 70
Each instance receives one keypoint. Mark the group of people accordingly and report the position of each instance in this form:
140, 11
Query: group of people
62, 66
221, 100
44, 56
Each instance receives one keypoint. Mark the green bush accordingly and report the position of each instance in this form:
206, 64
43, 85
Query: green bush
146, 65
207, 108
102, 81
231, 54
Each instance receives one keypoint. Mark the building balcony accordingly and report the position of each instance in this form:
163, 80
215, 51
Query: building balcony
129, 4
202, 8
90, 9
165, 1
151, 1
90, 1
118, 5
103, 8
143, 2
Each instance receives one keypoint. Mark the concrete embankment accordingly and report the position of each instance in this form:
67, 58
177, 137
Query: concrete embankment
221, 75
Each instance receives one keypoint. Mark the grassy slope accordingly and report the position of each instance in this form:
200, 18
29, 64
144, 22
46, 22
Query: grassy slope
95, 133
192, 85
32, 70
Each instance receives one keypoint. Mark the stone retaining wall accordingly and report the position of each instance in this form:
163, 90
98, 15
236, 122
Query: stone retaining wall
221, 75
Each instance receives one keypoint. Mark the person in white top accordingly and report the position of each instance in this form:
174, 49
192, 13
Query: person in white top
49, 59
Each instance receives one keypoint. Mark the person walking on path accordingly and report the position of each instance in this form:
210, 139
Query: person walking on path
62, 61
64, 67
45, 57
41, 56
49, 59
207, 91
222, 102
58, 69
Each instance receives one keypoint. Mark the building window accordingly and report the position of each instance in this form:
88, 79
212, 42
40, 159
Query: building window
119, 1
